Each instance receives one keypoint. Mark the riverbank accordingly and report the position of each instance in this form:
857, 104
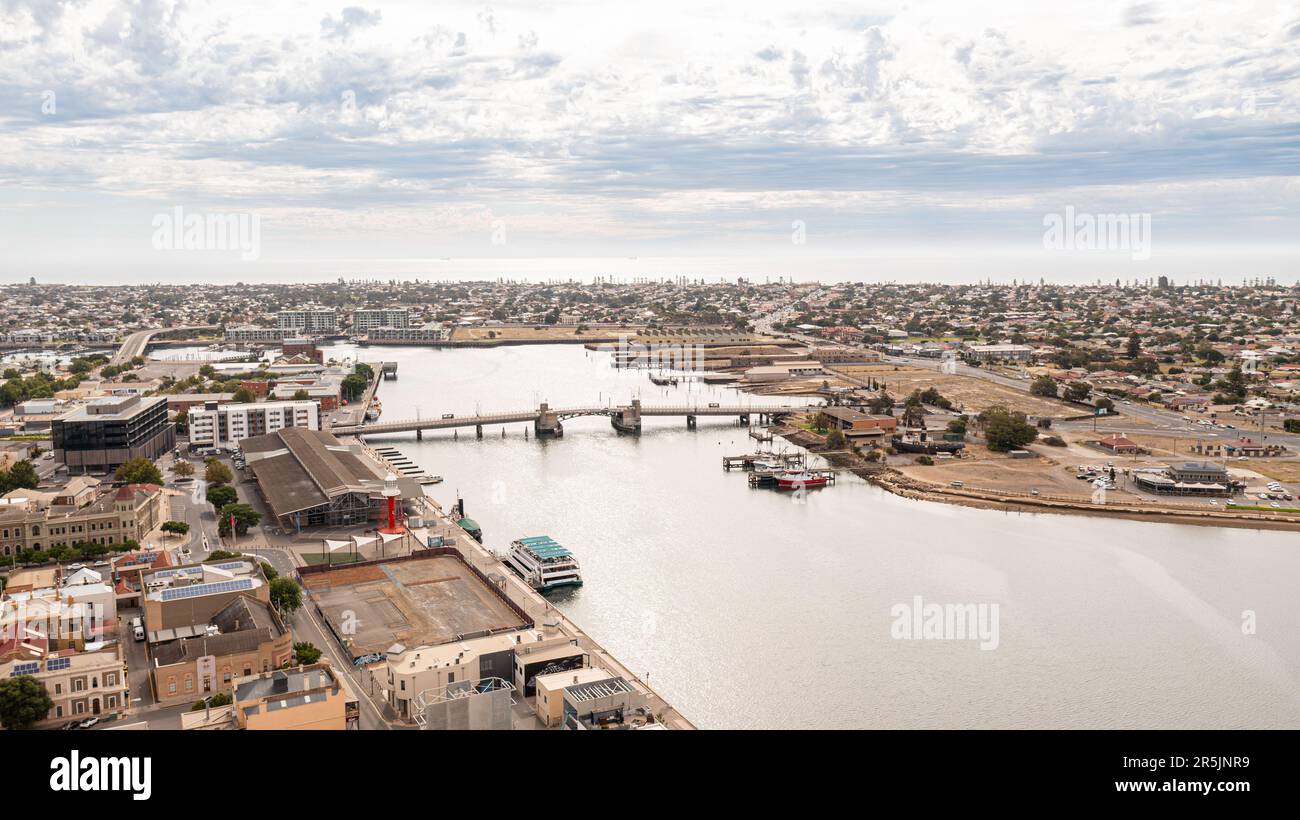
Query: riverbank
895, 482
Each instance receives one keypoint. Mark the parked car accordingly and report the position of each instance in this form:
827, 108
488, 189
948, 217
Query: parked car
88, 723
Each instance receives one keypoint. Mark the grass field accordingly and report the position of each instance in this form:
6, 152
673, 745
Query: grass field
966, 391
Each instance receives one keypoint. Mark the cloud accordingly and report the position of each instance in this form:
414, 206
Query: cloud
353, 18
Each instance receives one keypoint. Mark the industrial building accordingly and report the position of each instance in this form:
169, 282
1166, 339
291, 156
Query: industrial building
310, 479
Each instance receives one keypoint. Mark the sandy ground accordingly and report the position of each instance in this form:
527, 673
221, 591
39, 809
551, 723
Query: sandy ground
967, 392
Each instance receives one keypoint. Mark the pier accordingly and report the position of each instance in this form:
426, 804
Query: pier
747, 462
767, 478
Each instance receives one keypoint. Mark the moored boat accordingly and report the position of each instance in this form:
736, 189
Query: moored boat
543, 564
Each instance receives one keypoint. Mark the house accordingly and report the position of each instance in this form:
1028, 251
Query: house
1117, 443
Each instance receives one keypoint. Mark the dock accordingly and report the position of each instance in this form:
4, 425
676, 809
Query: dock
746, 462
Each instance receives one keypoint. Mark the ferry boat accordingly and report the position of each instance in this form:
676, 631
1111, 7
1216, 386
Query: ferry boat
543, 564
797, 479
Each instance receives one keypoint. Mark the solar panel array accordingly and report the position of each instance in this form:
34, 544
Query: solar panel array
55, 664
25, 669
194, 591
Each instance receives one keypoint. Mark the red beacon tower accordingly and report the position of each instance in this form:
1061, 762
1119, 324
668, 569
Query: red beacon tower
392, 494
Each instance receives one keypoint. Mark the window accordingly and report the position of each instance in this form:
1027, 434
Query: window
79, 707
110, 679
58, 711
78, 684
189, 684
171, 686
58, 689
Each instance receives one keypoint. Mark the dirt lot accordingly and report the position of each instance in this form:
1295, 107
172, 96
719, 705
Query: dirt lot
965, 391
986, 470
1287, 471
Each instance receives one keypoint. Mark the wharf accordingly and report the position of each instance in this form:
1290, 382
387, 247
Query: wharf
746, 462
540, 610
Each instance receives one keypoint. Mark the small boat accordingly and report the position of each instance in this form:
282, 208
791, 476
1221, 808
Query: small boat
543, 564
799, 479
429, 479
664, 381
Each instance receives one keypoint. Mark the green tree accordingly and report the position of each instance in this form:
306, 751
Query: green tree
1044, 386
365, 371
269, 571
1005, 430
1105, 403
286, 595
353, 386
1078, 391
245, 517
175, 527
217, 473
244, 396
139, 471
221, 495
300, 395
306, 652
20, 476
835, 439
1134, 345
184, 469
23, 702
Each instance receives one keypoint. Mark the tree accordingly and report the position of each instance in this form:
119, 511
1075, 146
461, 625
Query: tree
1078, 391
286, 595
245, 517
175, 527
139, 471
365, 371
217, 473
1044, 386
301, 395
223, 555
957, 426
221, 495
23, 702
219, 699
184, 469
307, 652
882, 404
269, 571
1105, 403
244, 396
835, 439
1134, 345
353, 386
20, 476
1005, 430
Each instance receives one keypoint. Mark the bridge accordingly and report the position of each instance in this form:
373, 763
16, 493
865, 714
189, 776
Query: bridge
547, 420
136, 344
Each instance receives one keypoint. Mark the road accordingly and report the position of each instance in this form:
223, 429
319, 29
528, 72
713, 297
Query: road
136, 344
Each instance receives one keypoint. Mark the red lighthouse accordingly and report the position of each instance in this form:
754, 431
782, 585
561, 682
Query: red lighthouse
392, 494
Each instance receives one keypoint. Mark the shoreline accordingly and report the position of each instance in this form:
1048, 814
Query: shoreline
896, 483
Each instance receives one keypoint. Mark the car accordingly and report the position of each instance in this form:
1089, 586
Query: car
1275, 504
48, 455
88, 723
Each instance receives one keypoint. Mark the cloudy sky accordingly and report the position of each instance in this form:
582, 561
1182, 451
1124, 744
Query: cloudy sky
872, 140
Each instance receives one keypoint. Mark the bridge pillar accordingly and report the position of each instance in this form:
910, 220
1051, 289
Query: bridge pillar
419, 435
744, 419
628, 419
478, 430
690, 422
547, 423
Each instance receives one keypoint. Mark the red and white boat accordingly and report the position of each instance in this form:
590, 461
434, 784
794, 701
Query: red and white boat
798, 479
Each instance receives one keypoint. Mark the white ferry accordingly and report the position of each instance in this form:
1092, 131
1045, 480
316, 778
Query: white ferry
543, 564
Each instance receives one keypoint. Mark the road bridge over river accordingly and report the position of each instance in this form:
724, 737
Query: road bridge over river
547, 420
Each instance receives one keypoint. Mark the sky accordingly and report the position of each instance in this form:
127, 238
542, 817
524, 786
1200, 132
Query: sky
939, 141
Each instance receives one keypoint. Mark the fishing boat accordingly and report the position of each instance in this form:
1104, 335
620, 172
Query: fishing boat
801, 479
543, 564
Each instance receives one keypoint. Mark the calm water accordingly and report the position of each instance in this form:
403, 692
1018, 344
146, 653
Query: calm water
747, 609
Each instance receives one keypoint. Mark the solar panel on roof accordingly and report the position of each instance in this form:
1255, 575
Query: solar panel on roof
197, 590
55, 664
25, 669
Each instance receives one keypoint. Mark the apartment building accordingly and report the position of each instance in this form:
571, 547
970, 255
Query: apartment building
365, 320
80, 684
998, 353
252, 333
220, 425
424, 333
308, 321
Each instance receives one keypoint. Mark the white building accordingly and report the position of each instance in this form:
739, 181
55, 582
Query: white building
998, 353
424, 333
220, 425
307, 321
367, 319
253, 333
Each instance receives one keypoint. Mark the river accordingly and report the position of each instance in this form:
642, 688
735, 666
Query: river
747, 608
